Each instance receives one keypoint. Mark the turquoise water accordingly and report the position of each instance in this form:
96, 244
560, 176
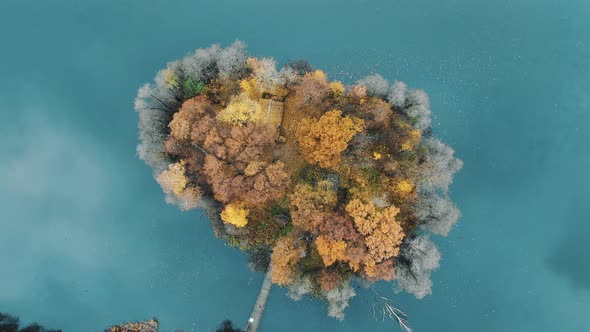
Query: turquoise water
86, 239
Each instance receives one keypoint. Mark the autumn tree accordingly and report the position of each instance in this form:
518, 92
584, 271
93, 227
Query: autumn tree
266, 77
411, 140
322, 141
268, 182
383, 234
331, 251
376, 112
337, 88
308, 203
404, 188
286, 254
311, 90
177, 188
240, 111
330, 279
183, 120
358, 92
379, 271
235, 214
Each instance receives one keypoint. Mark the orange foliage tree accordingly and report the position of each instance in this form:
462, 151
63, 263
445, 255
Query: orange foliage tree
331, 251
383, 234
323, 141
308, 203
286, 254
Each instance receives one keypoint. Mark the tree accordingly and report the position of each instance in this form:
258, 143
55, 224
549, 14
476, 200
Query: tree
331, 251
403, 187
188, 199
377, 113
269, 183
413, 139
192, 88
206, 64
307, 203
338, 300
418, 258
228, 326
437, 213
375, 84
337, 88
173, 180
301, 67
358, 92
240, 111
183, 120
231, 61
298, 288
322, 141
330, 279
174, 184
440, 167
417, 107
235, 214
154, 115
10, 323
397, 94
266, 76
383, 234
379, 271
311, 90
287, 252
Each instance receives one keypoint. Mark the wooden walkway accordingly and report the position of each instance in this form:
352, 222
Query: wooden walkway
256, 316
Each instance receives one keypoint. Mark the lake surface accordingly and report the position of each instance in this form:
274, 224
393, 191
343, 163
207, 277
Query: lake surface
86, 239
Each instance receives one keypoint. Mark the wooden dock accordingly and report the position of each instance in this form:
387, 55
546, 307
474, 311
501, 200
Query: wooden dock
256, 316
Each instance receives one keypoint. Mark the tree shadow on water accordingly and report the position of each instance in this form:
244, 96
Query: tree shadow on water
569, 258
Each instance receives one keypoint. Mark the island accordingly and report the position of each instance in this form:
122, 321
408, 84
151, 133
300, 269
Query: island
320, 182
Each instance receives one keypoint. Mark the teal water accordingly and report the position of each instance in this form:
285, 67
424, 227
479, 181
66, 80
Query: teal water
86, 239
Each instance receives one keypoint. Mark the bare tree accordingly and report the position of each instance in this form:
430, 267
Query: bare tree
418, 258
376, 85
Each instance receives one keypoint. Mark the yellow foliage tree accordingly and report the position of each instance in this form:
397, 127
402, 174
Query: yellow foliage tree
403, 187
331, 251
250, 88
173, 180
337, 88
322, 141
383, 234
414, 137
235, 214
319, 75
240, 111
